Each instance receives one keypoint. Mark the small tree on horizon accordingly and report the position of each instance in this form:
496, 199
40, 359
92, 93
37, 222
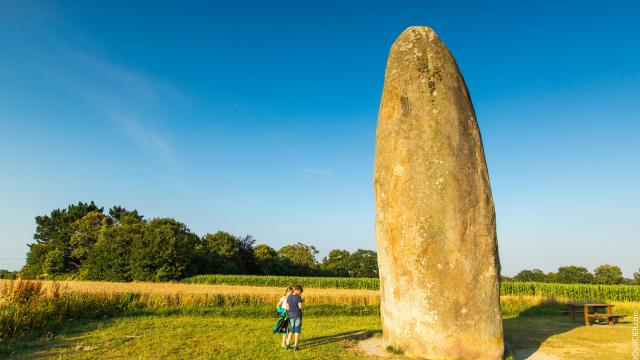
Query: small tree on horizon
608, 274
536, 275
302, 259
574, 275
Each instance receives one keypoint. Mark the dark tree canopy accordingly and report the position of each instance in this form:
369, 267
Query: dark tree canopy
337, 263
608, 274
574, 275
110, 258
269, 261
55, 230
119, 214
363, 263
531, 275
220, 254
164, 252
301, 259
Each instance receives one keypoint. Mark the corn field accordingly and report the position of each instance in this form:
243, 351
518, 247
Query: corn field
576, 292
283, 281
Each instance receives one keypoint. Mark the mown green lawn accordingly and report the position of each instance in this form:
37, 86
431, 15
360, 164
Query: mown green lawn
324, 337
199, 337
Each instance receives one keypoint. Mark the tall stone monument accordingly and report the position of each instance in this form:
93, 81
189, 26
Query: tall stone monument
435, 220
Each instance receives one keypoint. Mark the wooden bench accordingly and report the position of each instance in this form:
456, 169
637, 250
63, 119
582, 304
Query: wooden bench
590, 312
611, 318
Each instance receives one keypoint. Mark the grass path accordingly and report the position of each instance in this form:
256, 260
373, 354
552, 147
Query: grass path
324, 337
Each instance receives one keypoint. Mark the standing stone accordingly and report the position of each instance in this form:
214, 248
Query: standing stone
435, 220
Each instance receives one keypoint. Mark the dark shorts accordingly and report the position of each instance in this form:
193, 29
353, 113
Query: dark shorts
295, 325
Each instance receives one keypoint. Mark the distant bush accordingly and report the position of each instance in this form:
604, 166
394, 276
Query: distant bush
9, 275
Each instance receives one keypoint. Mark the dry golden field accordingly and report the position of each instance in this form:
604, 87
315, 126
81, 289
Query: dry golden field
176, 294
194, 294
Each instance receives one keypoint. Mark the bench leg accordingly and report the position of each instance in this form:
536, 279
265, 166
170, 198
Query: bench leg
586, 317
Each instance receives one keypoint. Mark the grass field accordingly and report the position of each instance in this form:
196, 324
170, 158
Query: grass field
213, 337
102, 320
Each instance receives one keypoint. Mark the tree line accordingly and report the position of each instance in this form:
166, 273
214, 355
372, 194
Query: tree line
83, 241
604, 274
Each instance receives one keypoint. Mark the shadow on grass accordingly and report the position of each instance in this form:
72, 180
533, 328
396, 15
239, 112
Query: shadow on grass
525, 333
349, 335
34, 346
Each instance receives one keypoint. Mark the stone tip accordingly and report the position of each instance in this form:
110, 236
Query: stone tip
420, 31
414, 35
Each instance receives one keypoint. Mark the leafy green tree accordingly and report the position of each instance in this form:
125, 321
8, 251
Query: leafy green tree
636, 278
247, 254
55, 227
54, 231
574, 275
164, 252
301, 258
35, 260
53, 263
300, 254
363, 263
118, 213
84, 234
531, 275
269, 261
337, 263
110, 258
221, 254
608, 274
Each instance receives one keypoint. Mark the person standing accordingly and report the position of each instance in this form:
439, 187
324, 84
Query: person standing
294, 302
282, 325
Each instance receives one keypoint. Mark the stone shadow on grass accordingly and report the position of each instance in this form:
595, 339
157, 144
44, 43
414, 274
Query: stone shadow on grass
525, 333
333, 338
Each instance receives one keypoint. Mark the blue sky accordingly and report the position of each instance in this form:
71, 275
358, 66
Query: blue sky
260, 117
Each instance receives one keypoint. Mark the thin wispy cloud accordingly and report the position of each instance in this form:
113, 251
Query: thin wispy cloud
319, 172
133, 102
130, 100
142, 136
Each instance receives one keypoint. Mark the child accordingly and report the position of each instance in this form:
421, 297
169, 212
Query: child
282, 303
295, 316
283, 322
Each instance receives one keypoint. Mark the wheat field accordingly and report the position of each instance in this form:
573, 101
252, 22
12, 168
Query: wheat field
196, 294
